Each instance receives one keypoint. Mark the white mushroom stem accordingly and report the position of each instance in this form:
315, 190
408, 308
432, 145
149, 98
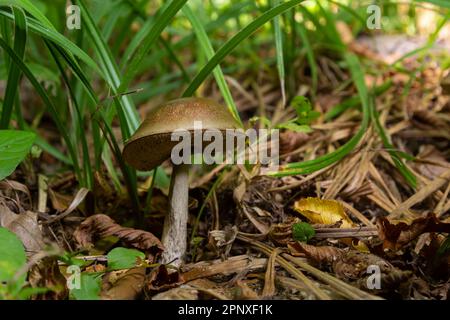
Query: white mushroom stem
174, 235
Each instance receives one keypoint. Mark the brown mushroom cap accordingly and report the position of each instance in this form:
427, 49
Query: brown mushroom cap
151, 144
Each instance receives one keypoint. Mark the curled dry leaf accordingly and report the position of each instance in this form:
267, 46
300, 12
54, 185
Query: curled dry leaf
221, 241
127, 287
160, 279
323, 211
25, 226
100, 226
281, 233
396, 235
325, 254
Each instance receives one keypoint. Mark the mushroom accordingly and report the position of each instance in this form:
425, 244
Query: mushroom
151, 145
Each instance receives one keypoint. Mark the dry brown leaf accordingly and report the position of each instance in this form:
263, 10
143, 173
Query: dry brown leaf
100, 226
60, 202
326, 254
25, 226
77, 200
46, 274
323, 211
221, 241
160, 279
353, 265
244, 292
236, 264
396, 235
127, 287
179, 293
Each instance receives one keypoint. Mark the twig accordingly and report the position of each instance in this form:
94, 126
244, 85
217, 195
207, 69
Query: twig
420, 195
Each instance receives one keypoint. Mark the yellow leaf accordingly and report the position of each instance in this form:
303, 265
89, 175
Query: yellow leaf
361, 247
323, 211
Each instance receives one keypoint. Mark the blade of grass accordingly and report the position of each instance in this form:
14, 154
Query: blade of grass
407, 174
12, 84
128, 116
160, 23
88, 176
48, 103
310, 56
323, 161
31, 9
440, 3
209, 53
235, 41
279, 51
354, 101
54, 36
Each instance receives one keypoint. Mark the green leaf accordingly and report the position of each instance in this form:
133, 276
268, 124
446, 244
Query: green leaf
89, 287
303, 108
302, 231
14, 146
12, 255
294, 127
123, 258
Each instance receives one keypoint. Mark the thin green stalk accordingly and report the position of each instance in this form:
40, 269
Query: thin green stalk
49, 104
20, 39
407, 174
88, 176
231, 44
326, 160
128, 116
209, 53
279, 51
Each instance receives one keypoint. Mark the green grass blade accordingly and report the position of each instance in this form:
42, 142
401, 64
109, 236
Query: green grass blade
48, 103
326, 160
235, 41
88, 176
59, 39
354, 101
396, 158
439, 3
20, 39
31, 9
310, 56
209, 52
128, 116
279, 51
161, 22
